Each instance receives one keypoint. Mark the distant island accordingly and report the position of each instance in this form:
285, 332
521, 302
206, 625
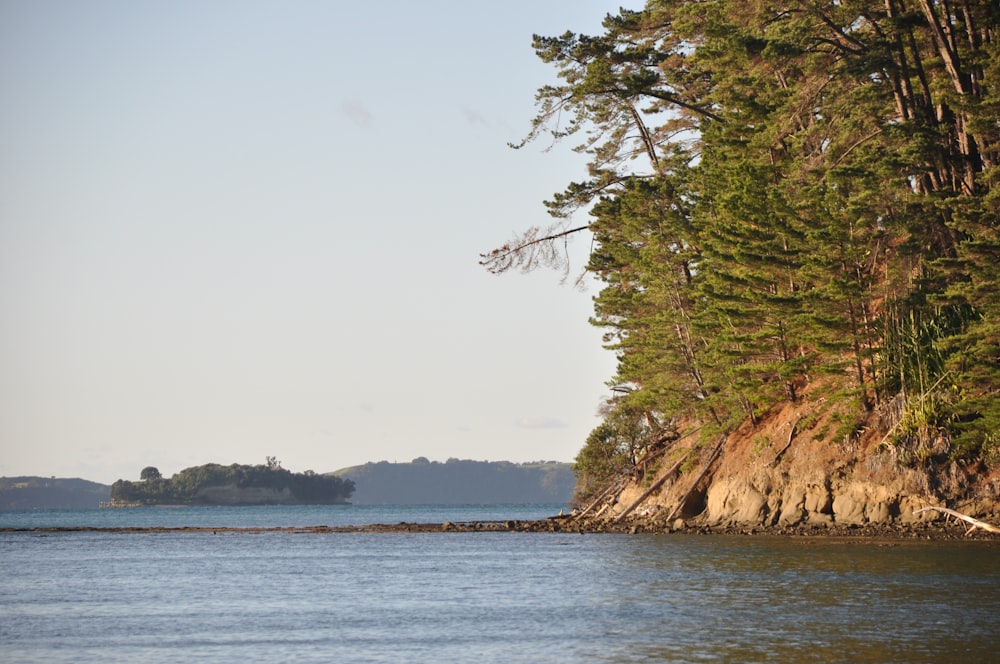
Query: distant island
215, 484
458, 481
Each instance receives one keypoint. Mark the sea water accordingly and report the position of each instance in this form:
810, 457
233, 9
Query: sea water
93, 596
273, 516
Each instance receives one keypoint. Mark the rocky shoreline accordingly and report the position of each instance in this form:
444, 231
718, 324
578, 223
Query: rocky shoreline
930, 530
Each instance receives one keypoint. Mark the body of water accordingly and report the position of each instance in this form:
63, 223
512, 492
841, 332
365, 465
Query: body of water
272, 516
486, 597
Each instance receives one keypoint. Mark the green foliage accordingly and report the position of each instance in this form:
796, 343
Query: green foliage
760, 443
150, 473
990, 450
783, 194
611, 448
188, 486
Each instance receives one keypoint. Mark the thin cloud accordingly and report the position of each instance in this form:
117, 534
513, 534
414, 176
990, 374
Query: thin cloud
540, 423
356, 111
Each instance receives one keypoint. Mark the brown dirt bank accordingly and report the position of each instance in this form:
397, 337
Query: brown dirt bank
803, 468
935, 530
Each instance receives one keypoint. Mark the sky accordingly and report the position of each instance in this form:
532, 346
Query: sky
239, 229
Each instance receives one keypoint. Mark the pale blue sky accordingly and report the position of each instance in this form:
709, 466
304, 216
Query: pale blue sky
237, 229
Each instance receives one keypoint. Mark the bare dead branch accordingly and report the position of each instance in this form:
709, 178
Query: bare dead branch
531, 249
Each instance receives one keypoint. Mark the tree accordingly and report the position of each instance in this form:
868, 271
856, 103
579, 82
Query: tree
612, 448
188, 486
783, 192
150, 473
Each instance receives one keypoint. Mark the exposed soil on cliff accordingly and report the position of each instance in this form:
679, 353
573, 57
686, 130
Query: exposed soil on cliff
802, 468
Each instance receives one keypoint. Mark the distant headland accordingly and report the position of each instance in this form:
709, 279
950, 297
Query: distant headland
40, 493
418, 482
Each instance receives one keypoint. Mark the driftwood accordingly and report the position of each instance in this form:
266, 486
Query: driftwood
598, 513
663, 444
656, 485
976, 523
701, 476
614, 486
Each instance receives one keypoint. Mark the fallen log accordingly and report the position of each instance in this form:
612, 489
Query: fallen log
699, 478
598, 513
611, 488
976, 523
656, 485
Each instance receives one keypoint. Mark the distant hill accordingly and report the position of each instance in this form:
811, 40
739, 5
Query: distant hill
30, 493
460, 481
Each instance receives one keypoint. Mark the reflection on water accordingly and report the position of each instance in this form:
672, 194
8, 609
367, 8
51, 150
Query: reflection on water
820, 600
494, 597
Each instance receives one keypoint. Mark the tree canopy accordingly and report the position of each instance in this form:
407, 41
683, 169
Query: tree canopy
189, 485
150, 473
785, 193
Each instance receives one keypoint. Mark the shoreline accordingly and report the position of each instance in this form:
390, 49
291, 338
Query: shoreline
933, 531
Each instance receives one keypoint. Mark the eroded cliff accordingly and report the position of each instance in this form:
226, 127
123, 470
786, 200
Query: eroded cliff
795, 468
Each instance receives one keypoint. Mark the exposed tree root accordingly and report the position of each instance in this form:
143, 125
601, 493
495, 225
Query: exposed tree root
791, 436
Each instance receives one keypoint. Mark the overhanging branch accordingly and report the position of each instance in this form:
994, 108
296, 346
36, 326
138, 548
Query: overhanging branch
529, 250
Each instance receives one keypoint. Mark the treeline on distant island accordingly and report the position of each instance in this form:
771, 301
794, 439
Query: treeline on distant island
256, 484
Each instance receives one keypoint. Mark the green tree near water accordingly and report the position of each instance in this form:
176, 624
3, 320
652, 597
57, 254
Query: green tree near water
784, 192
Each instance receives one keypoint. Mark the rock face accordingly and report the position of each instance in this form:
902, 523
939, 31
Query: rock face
815, 501
789, 471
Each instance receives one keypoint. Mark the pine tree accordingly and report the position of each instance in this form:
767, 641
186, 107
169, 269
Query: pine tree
780, 192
